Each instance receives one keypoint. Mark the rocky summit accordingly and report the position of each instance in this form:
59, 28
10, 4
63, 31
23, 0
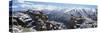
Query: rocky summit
29, 21
40, 20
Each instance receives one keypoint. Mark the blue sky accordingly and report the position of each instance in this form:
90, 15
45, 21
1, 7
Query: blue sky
18, 5
63, 4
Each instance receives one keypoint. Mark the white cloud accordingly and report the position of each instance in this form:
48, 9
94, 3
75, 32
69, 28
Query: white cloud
90, 2
21, 1
14, 6
51, 7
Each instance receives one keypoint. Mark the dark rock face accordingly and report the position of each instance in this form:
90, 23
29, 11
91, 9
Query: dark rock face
36, 20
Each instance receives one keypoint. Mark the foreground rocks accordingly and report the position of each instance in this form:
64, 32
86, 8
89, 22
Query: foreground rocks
30, 21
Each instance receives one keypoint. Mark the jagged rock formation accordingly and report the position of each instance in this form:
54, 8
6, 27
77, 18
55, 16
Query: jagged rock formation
33, 21
86, 17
